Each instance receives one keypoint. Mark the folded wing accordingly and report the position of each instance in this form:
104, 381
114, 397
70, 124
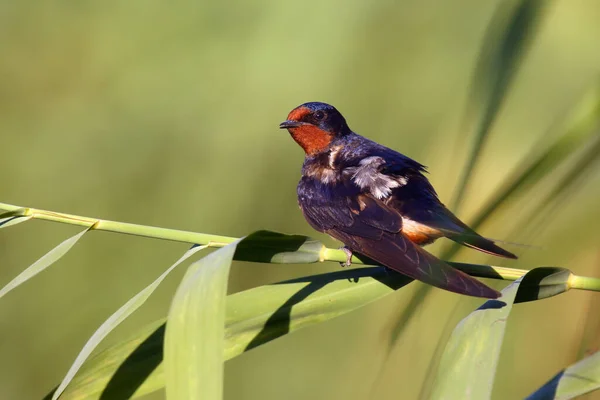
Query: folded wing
368, 226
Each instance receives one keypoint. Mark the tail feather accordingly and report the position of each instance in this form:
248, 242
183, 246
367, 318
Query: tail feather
475, 241
456, 230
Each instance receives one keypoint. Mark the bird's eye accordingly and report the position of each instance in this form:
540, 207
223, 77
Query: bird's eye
319, 115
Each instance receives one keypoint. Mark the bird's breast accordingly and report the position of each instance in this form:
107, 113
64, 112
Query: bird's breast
323, 174
323, 168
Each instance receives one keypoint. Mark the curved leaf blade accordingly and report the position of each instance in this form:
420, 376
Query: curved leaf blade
44, 262
468, 365
115, 320
469, 361
196, 326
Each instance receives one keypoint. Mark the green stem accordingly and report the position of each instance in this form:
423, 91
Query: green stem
327, 254
584, 283
124, 227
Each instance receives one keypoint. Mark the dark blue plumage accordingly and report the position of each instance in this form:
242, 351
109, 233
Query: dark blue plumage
377, 201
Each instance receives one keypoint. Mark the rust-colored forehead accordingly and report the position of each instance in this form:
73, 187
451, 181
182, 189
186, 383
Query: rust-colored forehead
298, 113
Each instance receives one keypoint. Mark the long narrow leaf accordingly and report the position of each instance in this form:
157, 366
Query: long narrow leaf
115, 319
44, 262
196, 327
468, 365
469, 361
576, 380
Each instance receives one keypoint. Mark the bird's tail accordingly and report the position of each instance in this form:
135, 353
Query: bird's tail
473, 240
456, 230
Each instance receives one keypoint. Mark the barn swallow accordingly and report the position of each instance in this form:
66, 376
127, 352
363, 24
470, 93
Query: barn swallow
377, 201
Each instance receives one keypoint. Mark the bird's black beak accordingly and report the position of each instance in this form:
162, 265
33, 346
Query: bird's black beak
290, 124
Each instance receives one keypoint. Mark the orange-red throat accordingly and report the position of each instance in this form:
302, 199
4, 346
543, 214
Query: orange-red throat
310, 137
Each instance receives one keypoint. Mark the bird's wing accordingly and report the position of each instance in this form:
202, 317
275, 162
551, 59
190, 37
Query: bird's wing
368, 226
395, 251
417, 201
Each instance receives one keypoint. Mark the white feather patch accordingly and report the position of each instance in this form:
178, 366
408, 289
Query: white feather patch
324, 175
332, 155
368, 177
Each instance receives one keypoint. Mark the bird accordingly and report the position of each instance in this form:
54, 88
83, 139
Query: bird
378, 202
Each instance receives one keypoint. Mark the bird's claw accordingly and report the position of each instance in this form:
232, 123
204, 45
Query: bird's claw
348, 253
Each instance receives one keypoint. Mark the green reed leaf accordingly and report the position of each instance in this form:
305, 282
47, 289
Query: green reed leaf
44, 262
115, 320
469, 361
196, 325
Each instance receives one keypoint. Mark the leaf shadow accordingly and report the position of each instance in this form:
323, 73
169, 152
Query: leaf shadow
548, 391
492, 304
134, 370
278, 323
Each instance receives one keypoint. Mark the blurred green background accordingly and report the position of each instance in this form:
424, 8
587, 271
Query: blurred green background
166, 113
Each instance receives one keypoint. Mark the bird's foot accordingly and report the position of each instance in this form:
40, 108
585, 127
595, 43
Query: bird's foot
348, 253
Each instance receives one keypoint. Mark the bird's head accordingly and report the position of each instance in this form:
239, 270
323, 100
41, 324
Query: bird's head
314, 126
